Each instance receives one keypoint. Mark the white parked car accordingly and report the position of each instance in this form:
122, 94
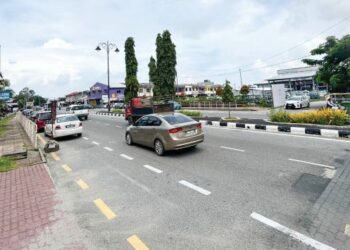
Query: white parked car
81, 111
297, 102
64, 125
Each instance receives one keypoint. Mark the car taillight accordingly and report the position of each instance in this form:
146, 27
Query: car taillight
80, 124
199, 125
175, 130
58, 127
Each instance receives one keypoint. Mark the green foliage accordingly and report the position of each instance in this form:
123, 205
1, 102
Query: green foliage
39, 100
244, 90
118, 111
152, 74
219, 91
323, 117
7, 164
263, 103
165, 66
227, 94
335, 64
4, 83
24, 96
131, 82
3, 123
191, 113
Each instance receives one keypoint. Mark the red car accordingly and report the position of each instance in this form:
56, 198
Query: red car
41, 119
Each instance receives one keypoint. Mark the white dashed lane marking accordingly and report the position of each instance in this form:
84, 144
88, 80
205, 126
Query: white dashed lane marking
85, 138
234, 149
126, 157
108, 149
96, 143
156, 170
194, 187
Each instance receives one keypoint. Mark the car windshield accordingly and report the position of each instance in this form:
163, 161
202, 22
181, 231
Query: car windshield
177, 119
44, 116
295, 98
68, 118
78, 107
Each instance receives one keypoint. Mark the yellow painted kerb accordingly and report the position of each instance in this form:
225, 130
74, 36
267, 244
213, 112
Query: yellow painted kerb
105, 209
136, 243
41, 139
82, 184
66, 168
55, 156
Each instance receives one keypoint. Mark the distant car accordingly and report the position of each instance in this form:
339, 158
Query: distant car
119, 105
41, 119
33, 115
81, 111
88, 106
163, 132
297, 102
177, 106
64, 125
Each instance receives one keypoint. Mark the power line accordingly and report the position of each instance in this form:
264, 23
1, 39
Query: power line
277, 54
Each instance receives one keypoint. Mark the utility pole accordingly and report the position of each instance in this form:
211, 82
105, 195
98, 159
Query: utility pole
240, 75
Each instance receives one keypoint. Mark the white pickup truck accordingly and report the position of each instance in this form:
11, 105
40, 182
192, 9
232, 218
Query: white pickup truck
80, 111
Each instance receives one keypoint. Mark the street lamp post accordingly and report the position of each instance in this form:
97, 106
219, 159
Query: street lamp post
107, 46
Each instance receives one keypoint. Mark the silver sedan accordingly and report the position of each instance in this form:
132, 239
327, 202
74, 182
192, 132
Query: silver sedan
164, 132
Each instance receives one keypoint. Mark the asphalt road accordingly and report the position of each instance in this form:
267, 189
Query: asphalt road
235, 173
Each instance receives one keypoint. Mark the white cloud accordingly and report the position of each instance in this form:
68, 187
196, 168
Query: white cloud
57, 43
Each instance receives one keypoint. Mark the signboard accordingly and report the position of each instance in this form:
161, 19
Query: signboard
105, 98
30, 104
5, 95
278, 95
53, 110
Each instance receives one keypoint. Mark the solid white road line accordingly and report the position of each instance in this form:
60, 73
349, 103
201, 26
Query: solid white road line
235, 149
194, 187
126, 157
96, 143
109, 149
312, 163
85, 138
280, 134
294, 234
158, 171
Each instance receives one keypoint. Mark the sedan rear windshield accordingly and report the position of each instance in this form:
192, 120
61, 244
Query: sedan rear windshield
78, 108
70, 118
177, 119
44, 116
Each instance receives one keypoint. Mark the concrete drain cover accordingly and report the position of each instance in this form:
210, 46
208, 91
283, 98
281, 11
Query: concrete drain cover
311, 185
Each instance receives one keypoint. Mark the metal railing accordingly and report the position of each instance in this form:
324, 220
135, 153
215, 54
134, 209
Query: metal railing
29, 127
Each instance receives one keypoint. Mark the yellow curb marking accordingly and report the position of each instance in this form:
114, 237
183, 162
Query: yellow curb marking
136, 243
55, 157
105, 209
66, 168
347, 229
82, 184
41, 139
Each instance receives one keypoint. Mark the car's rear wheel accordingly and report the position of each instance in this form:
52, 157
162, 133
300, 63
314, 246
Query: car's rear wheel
159, 147
79, 135
128, 139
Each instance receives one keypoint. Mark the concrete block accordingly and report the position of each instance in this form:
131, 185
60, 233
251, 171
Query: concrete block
330, 133
216, 124
250, 126
297, 131
271, 128
231, 125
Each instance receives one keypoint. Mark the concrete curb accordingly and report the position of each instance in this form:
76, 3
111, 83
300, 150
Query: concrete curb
330, 133
109, 114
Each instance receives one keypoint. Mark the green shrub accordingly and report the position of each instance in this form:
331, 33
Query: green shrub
118, 111
191, 113
322, 116
7, 164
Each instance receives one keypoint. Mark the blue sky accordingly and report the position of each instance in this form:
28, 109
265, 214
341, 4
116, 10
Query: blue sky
49, 45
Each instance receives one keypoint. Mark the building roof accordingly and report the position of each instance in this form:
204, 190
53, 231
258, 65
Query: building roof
295, 73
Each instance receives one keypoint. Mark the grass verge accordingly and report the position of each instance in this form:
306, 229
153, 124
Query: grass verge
3, 124
7, 164
191, 113
118, 111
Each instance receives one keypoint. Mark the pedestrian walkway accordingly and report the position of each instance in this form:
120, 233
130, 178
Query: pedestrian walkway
29, 205
330, 216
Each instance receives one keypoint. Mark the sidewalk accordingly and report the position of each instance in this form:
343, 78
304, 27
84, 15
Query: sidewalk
30, 209
330, 215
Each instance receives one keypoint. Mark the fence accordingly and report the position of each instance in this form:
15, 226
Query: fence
29, 127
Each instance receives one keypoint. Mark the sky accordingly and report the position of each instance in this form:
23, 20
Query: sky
49, 46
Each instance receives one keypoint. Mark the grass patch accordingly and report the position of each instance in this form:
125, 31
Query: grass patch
322, 117
118, 111
3, 124
191, 113
230, 119
7, 164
